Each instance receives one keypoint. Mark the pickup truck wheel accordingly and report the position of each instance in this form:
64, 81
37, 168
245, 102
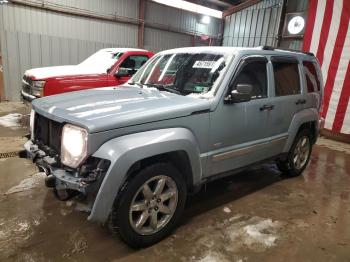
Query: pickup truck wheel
150, 205
299, 155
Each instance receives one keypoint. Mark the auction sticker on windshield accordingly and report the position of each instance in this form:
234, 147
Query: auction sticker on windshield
204, 64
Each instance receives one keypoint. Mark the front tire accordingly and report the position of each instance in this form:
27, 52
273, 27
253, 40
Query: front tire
150, 205
298, 156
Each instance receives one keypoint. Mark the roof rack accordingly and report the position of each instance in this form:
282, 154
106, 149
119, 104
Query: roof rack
271, 48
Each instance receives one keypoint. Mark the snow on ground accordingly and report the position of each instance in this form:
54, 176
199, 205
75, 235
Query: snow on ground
11, 144
228, 239
12, 120
7, 107
255, 233
27, 183
227, 210
213, 257
14, 233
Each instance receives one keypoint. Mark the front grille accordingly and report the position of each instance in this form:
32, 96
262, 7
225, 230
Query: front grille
27, 79
26, 84
47, 134
26, 88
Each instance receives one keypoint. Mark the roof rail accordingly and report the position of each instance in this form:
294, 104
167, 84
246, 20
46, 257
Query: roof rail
271, 48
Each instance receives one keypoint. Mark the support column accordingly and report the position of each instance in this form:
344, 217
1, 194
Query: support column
141, 29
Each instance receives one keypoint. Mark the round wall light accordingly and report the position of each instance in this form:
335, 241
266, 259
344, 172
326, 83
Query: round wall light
296, 25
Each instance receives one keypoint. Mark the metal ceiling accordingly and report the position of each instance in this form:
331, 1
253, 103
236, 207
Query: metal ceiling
219, 4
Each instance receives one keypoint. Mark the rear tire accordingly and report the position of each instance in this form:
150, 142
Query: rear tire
298, 156
149, 206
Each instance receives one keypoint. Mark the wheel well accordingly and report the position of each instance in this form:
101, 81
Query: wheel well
312, 126
179, 159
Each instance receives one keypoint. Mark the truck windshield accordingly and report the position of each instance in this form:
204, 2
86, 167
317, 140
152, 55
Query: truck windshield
182, 73
103, 60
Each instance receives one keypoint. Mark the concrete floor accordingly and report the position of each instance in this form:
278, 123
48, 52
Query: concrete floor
254, 216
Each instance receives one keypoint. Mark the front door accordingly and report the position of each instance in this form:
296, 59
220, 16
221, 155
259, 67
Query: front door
238, 130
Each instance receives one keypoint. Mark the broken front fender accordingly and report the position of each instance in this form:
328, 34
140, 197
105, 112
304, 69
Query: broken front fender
124, 151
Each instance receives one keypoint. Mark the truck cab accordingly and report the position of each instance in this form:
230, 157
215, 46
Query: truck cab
107, 67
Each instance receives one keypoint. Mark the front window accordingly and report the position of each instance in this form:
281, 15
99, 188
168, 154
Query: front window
183, 73
254, 74
103, 59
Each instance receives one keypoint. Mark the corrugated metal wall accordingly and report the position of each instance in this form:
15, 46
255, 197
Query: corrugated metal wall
259, 24
158, 40
31, 37
254, 26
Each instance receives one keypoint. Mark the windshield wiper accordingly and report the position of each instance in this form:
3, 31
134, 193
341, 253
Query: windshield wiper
165, 88
136, 83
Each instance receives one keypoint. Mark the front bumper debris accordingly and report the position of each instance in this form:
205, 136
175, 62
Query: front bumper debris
59, 178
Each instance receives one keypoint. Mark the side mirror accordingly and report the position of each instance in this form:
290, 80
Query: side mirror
122, 71
242, 93
244, 88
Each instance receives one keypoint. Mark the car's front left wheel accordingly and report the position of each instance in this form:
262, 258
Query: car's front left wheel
150, 205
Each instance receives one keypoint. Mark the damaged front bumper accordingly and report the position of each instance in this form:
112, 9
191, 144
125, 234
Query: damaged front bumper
27, 97
59, 178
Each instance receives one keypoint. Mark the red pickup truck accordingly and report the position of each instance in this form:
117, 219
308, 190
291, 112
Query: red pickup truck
107, 67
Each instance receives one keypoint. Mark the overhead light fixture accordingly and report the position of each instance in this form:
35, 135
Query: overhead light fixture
205, 19
184, 5
3, 2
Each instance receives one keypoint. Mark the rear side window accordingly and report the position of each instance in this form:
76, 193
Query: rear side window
287, 80
312, 81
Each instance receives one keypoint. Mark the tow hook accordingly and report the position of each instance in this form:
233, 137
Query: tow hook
23, 154
50, 181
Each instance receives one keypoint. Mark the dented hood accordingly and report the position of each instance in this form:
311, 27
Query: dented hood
109, 108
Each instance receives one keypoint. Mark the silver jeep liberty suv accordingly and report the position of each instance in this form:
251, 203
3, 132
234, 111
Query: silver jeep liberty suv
187, 117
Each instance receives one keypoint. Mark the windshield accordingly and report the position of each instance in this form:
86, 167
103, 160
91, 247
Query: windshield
103, 59
182, 73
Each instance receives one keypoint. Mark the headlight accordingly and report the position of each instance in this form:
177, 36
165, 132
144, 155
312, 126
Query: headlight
31, 123
74, 145
37, 88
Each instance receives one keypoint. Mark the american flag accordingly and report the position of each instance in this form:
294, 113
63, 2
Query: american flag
327, 35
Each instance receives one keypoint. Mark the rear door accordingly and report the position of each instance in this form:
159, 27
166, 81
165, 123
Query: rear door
287, 99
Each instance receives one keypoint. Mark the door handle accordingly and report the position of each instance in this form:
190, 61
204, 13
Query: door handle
266, 108
300, 101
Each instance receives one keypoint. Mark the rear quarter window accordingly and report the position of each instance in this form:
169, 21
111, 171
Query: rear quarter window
287, 81
312, 80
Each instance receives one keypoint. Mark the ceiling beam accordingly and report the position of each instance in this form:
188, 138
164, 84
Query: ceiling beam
218, 3
239, 7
